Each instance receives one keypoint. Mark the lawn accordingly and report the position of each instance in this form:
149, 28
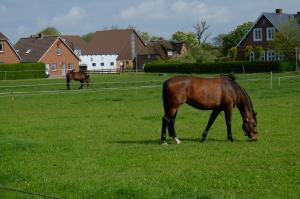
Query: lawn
104, 142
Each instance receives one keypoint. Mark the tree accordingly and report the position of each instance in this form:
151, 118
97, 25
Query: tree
232, 53
200, 54
232, 38
189, 38
287, 40
88, 37
50, 31
258, 52
248, 50
201, 31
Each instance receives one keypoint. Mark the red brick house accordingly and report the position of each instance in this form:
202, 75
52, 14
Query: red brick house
57, 56
8, 55
262, 32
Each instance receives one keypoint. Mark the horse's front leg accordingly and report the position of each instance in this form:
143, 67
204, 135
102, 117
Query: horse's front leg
211, 120
228, 113
81, 84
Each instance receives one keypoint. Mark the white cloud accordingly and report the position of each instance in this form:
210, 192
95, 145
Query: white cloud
146, 10
75, 15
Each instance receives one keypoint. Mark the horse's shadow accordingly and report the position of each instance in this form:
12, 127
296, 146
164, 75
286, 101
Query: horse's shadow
158, 141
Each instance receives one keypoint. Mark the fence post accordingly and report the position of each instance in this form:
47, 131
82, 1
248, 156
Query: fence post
279, 83
12, 101
4, 75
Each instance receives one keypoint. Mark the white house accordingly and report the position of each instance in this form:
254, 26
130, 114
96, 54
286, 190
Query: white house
100, 62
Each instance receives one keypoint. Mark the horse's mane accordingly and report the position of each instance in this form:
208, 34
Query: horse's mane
233, 78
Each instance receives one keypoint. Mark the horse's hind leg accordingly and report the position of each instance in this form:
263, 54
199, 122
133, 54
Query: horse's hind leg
164, 129
211, 120
171, 125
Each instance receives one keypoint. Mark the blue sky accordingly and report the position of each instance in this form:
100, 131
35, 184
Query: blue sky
21, 18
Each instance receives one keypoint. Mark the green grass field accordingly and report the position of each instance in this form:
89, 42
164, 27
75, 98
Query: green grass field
105, 142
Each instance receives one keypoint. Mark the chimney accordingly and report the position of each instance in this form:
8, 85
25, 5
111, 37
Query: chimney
278, 11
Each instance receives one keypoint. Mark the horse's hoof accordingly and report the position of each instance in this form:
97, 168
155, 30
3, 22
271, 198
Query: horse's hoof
164, 143
177, 140
202, 140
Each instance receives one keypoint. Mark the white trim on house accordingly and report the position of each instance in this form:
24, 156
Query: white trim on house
257, 34
100, 61
270, 33
2, 47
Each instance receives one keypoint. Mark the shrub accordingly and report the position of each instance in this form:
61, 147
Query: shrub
22, 71
221, 67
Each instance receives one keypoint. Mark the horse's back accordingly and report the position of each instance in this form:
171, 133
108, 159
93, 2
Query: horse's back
201, 93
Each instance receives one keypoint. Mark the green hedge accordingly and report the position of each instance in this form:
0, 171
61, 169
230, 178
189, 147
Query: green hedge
221, 67
22, 71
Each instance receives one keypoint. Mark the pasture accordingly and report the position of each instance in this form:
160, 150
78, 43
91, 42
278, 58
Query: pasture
104, 142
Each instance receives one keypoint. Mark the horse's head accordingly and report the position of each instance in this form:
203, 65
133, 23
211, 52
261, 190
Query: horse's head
249, 126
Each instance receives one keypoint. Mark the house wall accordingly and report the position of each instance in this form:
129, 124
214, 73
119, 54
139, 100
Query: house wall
263, 23
8, 56
66, 59
98, 60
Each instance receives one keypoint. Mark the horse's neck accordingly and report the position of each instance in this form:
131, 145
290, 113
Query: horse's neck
244, 105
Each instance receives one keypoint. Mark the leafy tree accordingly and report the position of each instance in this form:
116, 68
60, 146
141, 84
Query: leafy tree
50, 31
248, 50
232, 38
258, 52
189, 38
232, 53
88, 37
200, 54
287, 39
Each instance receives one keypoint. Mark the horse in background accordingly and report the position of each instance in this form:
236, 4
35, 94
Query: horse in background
78, 76
218, 94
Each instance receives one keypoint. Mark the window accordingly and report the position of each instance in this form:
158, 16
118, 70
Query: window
270, 33
257, 34
94, 64
112, 63
58, 51
71, 67
28, 51
271, 56
252, 56
102, 64
170, 53
92, 59
1, 46
53, 67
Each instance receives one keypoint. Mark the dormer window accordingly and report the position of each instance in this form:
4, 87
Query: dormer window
28, 51
1, 46
58, 51
257, 34
270, 33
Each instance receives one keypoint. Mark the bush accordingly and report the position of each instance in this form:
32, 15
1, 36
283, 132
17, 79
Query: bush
221, 67
22, 71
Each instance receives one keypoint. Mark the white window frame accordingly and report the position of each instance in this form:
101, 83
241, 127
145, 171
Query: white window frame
252, 56
270, 33
58, 51
255, 30
1, 47
271, 55
54, 67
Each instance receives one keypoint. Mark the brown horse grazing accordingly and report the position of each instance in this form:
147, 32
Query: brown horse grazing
218, 94
78, 76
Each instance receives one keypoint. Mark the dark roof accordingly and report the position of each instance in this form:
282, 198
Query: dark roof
32, 49
278, 19
75, 42
113, 42
34, 46
161, 48
2, 37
